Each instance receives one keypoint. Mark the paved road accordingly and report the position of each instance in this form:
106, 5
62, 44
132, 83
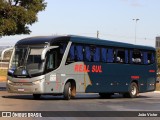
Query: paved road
82, 102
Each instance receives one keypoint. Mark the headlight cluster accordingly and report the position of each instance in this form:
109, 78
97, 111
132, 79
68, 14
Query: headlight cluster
37, 82
9, 82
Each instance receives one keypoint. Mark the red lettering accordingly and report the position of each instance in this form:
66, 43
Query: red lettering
152, 71
81, 68
97, 68
100, 68
93, 68
86, 68
135, 77
76, 68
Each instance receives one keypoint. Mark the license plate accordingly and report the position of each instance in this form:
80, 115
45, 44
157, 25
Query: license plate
21, 90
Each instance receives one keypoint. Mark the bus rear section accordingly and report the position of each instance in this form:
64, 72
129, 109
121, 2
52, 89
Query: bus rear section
108, 70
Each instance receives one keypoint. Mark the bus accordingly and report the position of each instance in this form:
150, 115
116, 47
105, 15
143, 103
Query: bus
66, 65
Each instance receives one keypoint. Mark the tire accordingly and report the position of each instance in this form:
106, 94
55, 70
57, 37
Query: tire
105, 95
73, 90
133, 91
36, 96
67, 91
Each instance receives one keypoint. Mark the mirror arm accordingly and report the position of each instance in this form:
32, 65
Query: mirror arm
46, 50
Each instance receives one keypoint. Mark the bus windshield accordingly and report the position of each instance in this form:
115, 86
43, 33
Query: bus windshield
34, 62
27, 61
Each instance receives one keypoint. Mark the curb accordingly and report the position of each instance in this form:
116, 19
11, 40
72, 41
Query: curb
2, 81
156, 91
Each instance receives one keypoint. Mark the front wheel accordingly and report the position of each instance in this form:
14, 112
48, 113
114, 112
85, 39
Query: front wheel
133, 91
67, 91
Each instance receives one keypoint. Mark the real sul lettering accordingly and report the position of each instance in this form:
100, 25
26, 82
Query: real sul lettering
88, 68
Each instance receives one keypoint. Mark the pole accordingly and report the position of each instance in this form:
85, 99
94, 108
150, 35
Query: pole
136, 20
97, 34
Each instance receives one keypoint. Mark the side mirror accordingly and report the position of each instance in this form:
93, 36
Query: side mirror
45, 51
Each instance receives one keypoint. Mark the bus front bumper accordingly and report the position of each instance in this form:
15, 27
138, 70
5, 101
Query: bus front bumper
25, 87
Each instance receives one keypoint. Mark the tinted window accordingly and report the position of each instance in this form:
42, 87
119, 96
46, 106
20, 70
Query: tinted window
79, 52
75, 53
148, 57
104, 55
95, 53
120, 55
126, 56
136, 57
71, 56
110, 55
53, 59
87, 53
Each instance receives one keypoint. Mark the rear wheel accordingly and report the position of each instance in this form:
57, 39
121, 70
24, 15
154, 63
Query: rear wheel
105, 95
36, 96
133, 91
67, 91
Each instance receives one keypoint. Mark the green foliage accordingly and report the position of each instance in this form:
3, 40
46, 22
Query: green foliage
17, 15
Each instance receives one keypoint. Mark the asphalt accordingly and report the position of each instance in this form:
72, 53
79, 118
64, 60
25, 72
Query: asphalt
82, 102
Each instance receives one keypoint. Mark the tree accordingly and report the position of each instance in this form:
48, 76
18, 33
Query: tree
17, 15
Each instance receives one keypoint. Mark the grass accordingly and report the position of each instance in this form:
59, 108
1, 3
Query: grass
3, 75
3, 72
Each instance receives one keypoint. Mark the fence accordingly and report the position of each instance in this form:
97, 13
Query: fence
4, 65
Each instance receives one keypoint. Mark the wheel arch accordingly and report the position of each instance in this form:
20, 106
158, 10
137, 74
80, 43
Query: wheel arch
136, 81
73, 85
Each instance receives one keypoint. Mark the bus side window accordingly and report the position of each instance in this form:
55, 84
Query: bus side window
62, 48
151, 57
126, 56
96, 55
104, 54
79, 53
71, 55
87, 53
120, 56
110, 56
131, 56
145, 58
52, 62
137, 57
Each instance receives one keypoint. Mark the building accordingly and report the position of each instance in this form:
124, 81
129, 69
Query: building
158, 42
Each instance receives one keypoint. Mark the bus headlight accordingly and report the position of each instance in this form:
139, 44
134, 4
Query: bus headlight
37, 82
9, 82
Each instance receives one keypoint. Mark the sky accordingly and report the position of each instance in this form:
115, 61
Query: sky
112, 18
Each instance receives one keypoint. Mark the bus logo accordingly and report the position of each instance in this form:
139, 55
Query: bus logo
24, 72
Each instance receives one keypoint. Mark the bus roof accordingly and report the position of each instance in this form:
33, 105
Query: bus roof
78, 39
38, 40
96, 41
